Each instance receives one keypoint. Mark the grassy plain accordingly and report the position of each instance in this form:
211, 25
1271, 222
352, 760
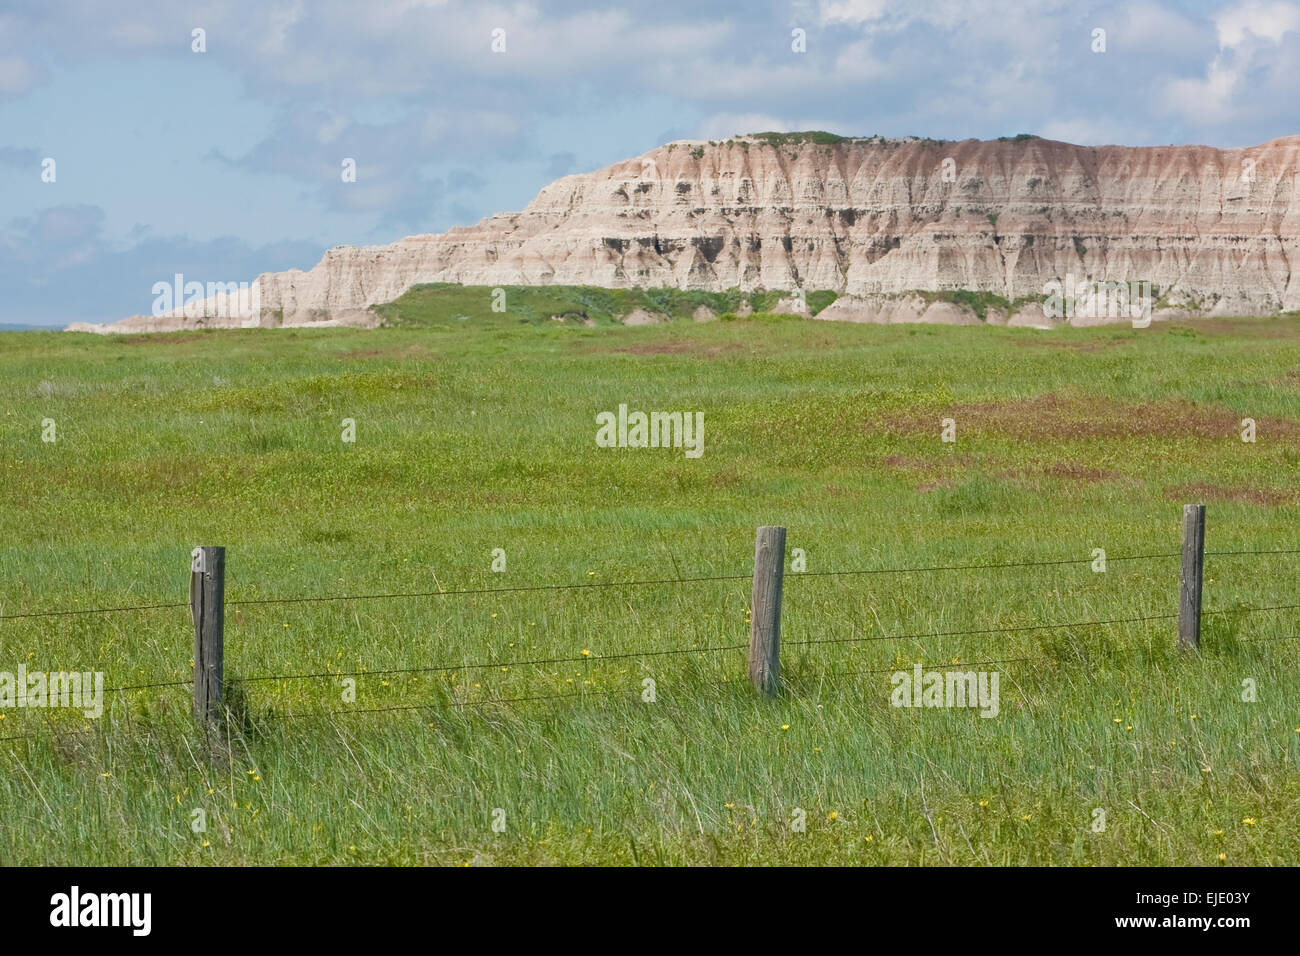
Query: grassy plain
477, 433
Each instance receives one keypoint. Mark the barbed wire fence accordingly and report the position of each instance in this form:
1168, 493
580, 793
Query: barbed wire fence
207, 605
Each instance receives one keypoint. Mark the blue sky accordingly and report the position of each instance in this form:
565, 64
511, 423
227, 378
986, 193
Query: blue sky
226, 163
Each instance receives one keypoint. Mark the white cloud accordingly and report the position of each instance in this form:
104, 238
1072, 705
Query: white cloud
1265, 20
18, 75
1151, 27
851, 11
1088, 131
859, 61
725, 125
1249, 35
1208, 100
721, 126
280, 20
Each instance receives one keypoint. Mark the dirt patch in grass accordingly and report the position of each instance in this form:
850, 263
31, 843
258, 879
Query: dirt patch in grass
1201, 492
1072, 345
1067, 471
1057, 417
1247, 327
933, 486
676, 348
938, 474
945, 474
179, 337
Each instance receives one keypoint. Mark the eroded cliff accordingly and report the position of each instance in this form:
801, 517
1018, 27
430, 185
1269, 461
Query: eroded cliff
1214, 231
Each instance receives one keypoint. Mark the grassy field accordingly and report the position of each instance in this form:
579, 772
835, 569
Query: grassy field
477, 433
445, 304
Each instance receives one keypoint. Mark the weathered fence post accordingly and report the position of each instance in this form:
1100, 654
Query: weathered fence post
765, 626
1189, 596
208, 607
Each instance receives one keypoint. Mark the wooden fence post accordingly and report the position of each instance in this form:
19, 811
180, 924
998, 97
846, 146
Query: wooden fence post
1189, 596
765, 625
208, 607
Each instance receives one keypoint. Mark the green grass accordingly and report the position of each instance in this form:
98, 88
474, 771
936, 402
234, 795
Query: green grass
978, 302
445, 305
477, 434
822, 138
816, 137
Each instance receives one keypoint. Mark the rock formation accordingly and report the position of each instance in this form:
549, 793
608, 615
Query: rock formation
1213, 231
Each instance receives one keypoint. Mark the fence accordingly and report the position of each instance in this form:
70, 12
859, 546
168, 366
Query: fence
207, 603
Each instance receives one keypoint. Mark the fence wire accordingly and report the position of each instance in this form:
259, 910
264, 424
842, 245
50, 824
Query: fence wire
595, 658
648, 582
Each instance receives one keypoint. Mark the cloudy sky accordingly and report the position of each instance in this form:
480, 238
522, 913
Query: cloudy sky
226, 163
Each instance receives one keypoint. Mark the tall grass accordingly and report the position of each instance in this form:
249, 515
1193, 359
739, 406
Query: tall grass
479, 434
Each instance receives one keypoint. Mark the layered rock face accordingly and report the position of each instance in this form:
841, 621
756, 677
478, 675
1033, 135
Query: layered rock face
1213, 231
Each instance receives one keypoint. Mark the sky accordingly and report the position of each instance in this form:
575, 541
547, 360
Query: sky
221, 154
